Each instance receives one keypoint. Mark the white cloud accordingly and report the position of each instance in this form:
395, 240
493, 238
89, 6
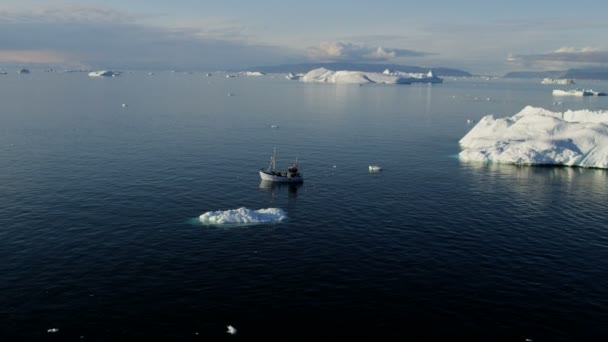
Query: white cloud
572, 49
67, 13
34, 57
563, 57
346, 51
104, 37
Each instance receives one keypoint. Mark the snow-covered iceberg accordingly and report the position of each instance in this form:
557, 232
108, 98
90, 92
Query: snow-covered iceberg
292, 76
413, 77
537, 136
563, 81
104, 73
578, 92
322, 75
243, 216
254, 73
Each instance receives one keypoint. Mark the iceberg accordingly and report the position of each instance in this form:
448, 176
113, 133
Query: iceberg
412, 77
537, 136
104, 73
254, 73
292, 76
322, 75
243, 216
562, 81
578, 92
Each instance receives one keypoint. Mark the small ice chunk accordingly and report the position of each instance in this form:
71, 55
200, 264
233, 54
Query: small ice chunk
231, 330
125, 105
52, 330
243, 216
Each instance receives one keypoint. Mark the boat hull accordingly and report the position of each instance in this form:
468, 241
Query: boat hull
281, 179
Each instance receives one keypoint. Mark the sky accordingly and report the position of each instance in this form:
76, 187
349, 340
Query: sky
482, 37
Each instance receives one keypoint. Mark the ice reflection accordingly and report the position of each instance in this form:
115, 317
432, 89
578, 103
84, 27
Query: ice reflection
543, 184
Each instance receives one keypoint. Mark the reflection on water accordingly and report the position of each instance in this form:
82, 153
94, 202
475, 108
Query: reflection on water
538, 183
277, 188
552, 172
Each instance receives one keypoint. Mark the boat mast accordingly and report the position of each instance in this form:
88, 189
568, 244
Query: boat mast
272, 165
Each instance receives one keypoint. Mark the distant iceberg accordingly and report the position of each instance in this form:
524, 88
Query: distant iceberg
243, 216
322, 75
537, 136
563, 81
104, 73
254, 73
413, 77
578, 92
292, 76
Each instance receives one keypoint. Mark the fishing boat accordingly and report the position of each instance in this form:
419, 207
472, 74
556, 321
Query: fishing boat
271, 174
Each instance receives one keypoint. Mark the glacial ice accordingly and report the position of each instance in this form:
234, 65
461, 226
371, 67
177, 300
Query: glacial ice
323, 75
243, 216
413, 77
537, 136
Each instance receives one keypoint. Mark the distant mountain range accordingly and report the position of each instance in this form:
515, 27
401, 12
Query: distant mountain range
588, 74
305, 67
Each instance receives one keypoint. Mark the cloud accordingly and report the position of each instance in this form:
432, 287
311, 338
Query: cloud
68, 13
345, 51
34, 57
565, 57
107, 38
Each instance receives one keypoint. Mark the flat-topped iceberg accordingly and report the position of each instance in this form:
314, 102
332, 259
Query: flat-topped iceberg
104, 73
254, 73
414, 77
322, 75
537, 136
578, 92
557, 81
243, 216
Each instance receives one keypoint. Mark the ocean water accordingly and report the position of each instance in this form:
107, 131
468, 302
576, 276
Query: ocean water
99, 207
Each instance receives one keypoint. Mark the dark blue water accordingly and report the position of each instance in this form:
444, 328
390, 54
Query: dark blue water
98, 208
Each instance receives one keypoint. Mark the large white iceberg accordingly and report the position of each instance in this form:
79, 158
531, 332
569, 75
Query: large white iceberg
243, 216
537, 136
322, 75
414, 77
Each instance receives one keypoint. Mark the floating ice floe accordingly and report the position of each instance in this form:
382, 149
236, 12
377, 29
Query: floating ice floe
254, 73
52, 330
292, 76
578, 92
375, 168
322, 75
104, 73
537, 136
231, 330
243, 216
413, 77
557, 81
